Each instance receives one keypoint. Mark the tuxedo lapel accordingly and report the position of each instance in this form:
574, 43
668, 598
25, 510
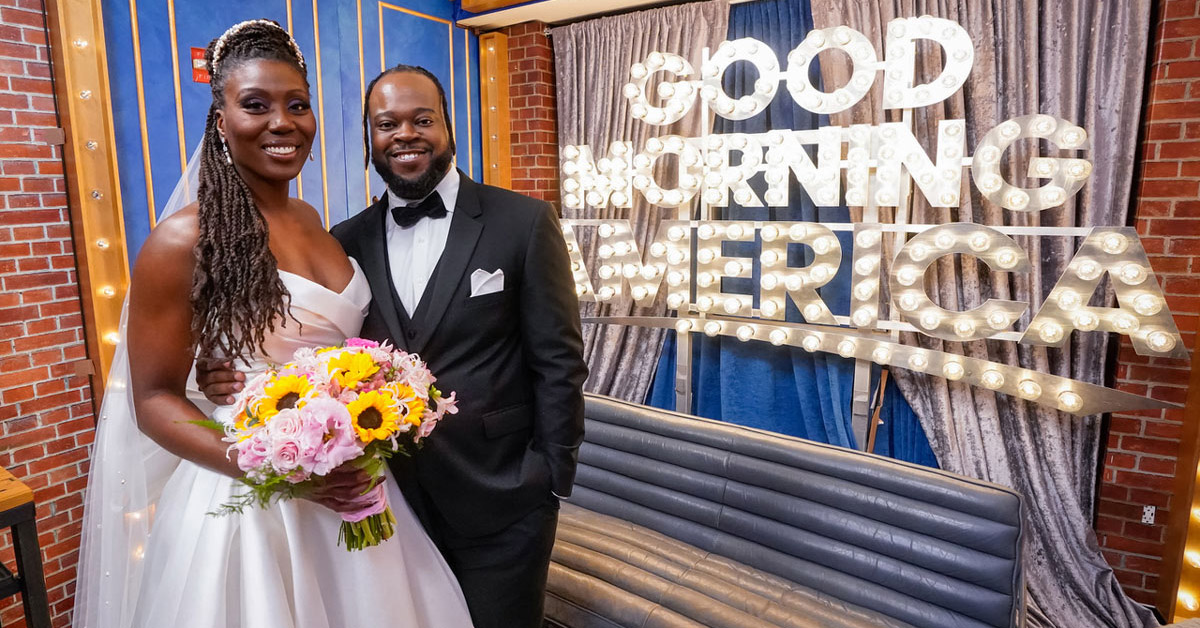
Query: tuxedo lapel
375, 264
465, 228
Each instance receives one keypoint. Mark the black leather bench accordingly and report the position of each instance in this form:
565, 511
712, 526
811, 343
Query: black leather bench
677, 521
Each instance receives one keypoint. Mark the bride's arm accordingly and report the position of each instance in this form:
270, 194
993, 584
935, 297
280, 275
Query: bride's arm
160, 346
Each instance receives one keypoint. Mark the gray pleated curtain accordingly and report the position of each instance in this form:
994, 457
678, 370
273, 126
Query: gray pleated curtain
592, 61
1083, 61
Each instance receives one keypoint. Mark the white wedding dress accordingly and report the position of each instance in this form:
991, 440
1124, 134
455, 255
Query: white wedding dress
278, 567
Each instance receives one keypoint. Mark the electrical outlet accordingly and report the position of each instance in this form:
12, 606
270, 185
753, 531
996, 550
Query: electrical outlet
1148, 515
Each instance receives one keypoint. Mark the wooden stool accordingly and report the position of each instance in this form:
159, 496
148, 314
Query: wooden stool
17, 513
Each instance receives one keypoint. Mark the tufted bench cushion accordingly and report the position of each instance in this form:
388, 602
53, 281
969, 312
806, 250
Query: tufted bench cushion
680, 521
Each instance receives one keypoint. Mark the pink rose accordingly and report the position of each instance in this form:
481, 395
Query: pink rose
361, 342
285, 456
285, 426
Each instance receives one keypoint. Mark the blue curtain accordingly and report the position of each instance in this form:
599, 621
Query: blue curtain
782, 389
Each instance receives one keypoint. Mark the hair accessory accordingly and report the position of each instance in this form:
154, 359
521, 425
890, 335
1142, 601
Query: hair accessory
219, 47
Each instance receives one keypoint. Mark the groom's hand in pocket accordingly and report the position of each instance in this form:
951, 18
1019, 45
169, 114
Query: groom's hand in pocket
218, 381
345, 489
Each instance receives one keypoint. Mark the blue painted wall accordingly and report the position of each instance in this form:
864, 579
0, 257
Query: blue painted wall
418, 32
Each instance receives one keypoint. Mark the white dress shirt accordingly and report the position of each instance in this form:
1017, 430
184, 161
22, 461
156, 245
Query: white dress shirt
413, 252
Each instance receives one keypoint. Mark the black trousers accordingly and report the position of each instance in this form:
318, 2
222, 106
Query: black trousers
502, 575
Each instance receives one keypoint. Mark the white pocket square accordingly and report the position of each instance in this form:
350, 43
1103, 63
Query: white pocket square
483, 282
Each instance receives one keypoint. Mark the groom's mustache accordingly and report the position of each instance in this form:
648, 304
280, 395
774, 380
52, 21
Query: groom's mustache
400, 147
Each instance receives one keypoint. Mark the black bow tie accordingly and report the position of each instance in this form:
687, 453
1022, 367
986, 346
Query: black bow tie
408, 215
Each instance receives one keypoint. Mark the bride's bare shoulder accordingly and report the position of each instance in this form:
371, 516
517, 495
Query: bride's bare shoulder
171, 244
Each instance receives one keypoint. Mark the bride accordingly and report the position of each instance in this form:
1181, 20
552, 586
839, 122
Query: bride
249, 274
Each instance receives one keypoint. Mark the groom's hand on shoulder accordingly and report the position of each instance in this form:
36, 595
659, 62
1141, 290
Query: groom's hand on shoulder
218, 381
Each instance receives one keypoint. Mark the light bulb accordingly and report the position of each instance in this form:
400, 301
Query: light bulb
812, 312
704, 303
867, 238
1088, 270
846, 348
1006, 258
1114, 243
639, 293
907, 275
998, 320
862, 317
819, 273
918, 252
1029, 389
811, 343
864, 290
865, 266
745, 332
930, 320
769, 281
769, 233
793, 282
1086, 321
1147, 304
1051, 332
675, 301
735, 232
769, 307
1161, 341
732, 306
706, 231
953, 371
683, 326
797, 232
979, 241
676, 234
1070, 401
778, 336
1132, 274
918, 361
705, 279
823, 245
993, 379
1069, 299
674, 278
881, 354
944, 240
607, 271
769, 257
964, 328
909, 302
1124, 323
712, 328
733, 268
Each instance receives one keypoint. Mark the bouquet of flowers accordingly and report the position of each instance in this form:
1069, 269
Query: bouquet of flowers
359, 404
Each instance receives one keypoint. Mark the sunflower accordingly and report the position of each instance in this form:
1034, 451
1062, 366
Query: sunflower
374, 415
282, 393
351, 368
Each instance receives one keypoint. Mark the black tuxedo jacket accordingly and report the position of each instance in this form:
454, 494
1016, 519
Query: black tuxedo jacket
515, 357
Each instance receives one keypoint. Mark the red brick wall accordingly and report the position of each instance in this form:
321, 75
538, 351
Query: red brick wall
45, 410
1142, 447
532, 111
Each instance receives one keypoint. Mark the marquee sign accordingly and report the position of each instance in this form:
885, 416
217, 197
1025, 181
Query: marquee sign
867, 166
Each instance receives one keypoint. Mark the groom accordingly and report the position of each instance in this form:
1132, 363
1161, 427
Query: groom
477, 280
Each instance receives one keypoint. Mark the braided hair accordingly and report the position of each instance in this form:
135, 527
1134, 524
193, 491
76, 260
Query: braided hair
236, 290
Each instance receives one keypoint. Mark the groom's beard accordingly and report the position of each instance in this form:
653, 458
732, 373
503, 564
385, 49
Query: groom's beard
417, 187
